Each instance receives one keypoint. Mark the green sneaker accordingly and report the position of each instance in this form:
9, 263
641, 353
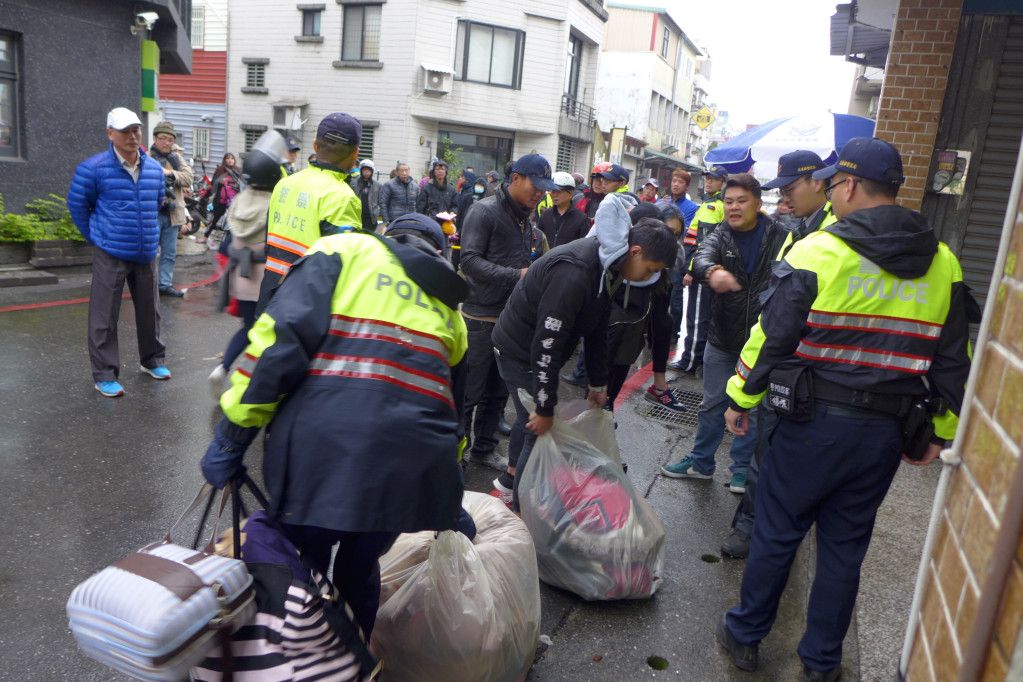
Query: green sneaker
738, 484
684, 469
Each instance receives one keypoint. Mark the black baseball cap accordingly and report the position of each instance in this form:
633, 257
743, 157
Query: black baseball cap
869, 158
793, 166
341, 128
615, 173
428, 227
536, 168
717, 172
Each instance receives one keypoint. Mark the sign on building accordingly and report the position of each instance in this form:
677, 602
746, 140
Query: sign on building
703, 118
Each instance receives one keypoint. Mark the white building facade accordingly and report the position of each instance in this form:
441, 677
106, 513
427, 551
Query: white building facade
498, 80
648, 67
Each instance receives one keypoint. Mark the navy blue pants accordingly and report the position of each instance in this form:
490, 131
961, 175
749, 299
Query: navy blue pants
356, 566
767, 421
697, 325
834, 471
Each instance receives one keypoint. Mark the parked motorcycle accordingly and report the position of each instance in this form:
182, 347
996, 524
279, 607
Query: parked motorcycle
199, 202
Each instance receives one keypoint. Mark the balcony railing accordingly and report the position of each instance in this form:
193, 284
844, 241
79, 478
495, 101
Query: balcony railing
577, 111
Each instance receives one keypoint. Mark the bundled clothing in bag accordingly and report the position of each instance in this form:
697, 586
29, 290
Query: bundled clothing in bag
458, 610
595, 535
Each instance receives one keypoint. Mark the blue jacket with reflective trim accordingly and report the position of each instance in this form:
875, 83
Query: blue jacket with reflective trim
357, 369
115, 213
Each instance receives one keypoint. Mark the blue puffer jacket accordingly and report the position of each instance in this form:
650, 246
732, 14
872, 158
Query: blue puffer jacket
112, 211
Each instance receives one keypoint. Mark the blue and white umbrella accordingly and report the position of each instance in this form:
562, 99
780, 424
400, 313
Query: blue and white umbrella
759, 147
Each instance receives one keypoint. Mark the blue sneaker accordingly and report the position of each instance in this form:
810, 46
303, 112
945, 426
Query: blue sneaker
110, 389
684, 469
737, 484
160, 372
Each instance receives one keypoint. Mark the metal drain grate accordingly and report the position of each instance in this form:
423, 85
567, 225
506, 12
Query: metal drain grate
688, 418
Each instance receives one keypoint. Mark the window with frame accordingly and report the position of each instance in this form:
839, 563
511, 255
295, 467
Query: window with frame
198, 27
360, 33
575, 54
251, 136
9, 105
489, 54
366, 143
201, 143
665, 42
311, 22
566, 154
255, 75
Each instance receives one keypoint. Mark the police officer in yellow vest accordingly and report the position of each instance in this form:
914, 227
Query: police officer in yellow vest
862, 348
710, 213
315, 202
806, 197
357, 370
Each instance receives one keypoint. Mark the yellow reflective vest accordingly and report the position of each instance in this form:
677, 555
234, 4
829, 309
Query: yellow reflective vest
823, 218
865, 329
312, 203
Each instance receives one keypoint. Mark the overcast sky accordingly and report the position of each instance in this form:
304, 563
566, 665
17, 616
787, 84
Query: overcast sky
771, 58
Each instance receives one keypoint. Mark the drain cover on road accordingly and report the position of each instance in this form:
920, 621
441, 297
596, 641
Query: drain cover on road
688, 418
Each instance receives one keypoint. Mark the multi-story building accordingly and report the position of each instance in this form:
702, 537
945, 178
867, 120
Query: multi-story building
63, 65
699, 138
646, 86
197, 103
491, 81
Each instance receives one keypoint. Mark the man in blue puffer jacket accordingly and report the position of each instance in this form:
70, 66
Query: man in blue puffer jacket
114, 200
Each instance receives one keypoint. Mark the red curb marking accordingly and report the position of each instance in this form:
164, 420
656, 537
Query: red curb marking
72, 301
633, 382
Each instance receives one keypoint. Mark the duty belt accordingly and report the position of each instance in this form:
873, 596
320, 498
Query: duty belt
887, 404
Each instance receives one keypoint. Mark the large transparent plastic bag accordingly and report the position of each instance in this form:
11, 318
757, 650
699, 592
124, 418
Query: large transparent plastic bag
459, 610
594, 534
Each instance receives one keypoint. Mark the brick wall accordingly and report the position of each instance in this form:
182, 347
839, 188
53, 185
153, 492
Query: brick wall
923, 36
974, 510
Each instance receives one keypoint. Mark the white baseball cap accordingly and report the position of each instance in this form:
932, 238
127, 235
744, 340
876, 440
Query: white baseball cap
563, 179
121, 118
651, 181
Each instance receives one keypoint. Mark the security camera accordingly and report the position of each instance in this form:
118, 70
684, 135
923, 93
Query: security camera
146, 20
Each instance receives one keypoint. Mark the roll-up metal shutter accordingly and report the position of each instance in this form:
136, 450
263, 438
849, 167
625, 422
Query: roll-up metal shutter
995, 169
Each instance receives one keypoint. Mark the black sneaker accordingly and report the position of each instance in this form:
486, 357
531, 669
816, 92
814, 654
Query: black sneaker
744, 656
503, 428
493, 459
668, 399
810, 675
736, 545
172, 292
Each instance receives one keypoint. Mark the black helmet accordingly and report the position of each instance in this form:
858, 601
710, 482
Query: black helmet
260, 170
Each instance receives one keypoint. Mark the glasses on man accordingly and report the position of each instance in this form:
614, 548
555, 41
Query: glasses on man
831, 188
164, 138
789, 189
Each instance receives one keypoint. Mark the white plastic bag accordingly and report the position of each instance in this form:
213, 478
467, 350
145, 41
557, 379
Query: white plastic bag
594, 534
459, 610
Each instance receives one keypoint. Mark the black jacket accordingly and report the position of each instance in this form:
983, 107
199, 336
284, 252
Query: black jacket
562, 229
734, 313
397, 198
434, 199
497, 242
558, 301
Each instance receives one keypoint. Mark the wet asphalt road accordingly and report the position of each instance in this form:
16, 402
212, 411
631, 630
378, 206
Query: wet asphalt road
86, 480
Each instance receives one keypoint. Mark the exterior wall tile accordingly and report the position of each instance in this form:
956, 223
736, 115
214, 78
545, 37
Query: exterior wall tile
1010, 614
979, 540
996, 669
984, 447
1009, 412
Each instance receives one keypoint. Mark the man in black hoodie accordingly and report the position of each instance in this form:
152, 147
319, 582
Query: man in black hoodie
863, 344
438, 195
497, 246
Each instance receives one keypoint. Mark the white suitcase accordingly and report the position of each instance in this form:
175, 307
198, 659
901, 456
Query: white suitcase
158, 612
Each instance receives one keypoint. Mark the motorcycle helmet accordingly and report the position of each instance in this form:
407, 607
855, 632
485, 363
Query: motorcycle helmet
600, 168
261, 168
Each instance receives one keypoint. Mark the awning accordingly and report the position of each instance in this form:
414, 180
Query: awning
861, 31
659, 157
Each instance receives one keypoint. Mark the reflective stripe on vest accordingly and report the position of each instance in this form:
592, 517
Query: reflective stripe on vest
876, 323
281, 252
354, 328
742, 369
247, 364
852, 355
377, 369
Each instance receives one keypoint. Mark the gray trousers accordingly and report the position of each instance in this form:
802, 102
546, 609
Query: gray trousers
108, 277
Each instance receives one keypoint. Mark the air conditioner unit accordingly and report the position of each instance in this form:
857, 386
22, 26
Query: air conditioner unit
872, 107
672, 142
437, 79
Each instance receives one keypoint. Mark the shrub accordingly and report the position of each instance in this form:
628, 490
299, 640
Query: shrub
44, 219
